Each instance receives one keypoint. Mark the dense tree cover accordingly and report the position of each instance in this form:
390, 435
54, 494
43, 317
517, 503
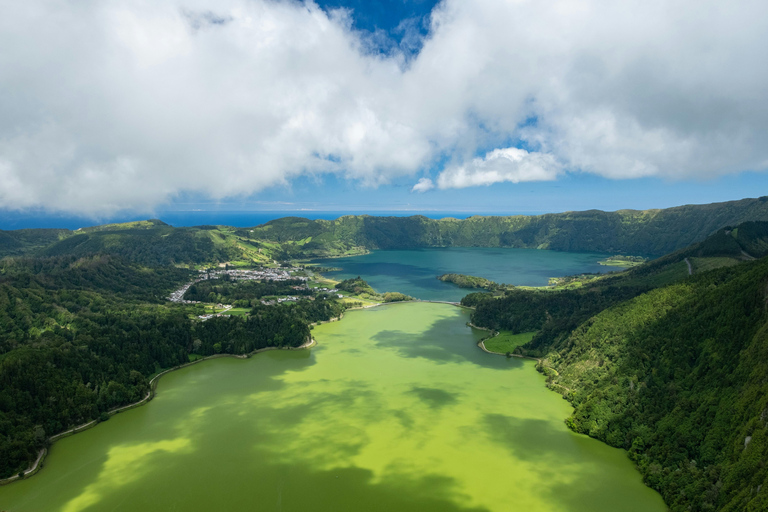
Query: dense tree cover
395, 297
355, 285
24, 241
286, 325
679, 377
465, 281
555, 313
671, 367
155, 245
243, 293
80, 336
650, 232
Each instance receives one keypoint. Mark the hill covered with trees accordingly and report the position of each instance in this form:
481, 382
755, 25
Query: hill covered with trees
667, 365
82, 335
648, 232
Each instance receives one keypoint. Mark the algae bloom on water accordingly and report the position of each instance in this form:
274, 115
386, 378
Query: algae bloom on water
395, 409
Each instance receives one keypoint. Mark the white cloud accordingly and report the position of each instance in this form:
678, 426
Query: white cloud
510, 164
126, 104
423, 185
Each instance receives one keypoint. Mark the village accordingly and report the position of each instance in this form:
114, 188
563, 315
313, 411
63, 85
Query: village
261, 274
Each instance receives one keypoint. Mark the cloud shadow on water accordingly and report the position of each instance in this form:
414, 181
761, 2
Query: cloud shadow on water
435, 398
446, 341
560, 461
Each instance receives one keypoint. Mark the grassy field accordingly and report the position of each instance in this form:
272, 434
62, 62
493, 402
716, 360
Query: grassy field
622, 261
319, 281
237, 312
351, 300
507, 342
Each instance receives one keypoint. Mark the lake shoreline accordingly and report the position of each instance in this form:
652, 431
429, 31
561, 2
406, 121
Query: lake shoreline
39, 462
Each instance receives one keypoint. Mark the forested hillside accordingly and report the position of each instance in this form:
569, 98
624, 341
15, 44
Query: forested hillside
628, 232
679, 376
672, 367
26, 241
156, 245
668, 365
649, 232
80, 336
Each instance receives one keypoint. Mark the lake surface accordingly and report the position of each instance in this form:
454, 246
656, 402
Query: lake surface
396, 409
414, 271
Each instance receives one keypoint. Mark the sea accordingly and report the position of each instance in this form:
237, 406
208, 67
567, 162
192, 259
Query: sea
10, 220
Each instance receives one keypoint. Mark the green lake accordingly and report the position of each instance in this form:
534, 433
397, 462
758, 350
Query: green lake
395, 409
414, 271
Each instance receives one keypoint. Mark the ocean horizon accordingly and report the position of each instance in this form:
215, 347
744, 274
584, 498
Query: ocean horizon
25, 220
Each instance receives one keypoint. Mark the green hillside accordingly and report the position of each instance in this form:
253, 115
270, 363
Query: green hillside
678, 377
669, 366
153, 242
25, 241
650, 232
81, 336
157, 244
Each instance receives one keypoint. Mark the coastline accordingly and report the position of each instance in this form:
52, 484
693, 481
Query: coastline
39, 462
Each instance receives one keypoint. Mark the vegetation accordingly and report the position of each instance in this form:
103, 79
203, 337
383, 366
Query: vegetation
677, 376
80, 336
465, 281
25, 241
243, 293
506, 342
356, 285
671, 368
623, 261
651, 232
395, 297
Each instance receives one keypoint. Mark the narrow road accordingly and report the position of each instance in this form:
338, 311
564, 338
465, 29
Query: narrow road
690, 269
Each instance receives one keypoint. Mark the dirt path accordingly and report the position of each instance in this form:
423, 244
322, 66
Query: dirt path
690, 268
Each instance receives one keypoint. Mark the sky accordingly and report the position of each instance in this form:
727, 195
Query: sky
130, 107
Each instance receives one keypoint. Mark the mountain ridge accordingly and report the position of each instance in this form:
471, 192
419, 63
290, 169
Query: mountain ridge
630, 232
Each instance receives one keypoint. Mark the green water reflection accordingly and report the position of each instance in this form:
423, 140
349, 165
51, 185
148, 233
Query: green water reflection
395, 410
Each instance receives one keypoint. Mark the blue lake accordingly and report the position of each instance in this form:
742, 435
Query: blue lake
414, 271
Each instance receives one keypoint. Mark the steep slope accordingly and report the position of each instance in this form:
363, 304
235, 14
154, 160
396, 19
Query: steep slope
80, 336
651, 232
679, 376
670, 366
152, 245
24, 241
